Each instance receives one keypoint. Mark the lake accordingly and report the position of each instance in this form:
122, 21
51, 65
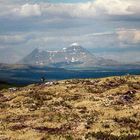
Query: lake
33, 75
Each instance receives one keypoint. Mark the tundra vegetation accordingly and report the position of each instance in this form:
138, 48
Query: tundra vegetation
78, 109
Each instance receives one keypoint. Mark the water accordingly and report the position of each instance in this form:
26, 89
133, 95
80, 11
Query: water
33, 75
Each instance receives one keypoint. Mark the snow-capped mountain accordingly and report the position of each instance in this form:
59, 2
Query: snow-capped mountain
74, 55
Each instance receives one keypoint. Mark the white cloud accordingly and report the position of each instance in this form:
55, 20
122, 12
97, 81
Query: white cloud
90, 9
28, 10
129, 35
113, 7
84, 10
94, 8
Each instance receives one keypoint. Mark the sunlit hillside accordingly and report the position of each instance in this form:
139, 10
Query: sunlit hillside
88, 109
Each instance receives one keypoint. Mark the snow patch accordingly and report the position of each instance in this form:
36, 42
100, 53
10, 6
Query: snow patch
75, 44
73, 59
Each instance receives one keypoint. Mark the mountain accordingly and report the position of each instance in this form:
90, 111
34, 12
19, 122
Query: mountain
74, 55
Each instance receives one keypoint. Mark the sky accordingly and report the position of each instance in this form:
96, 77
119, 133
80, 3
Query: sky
108, 28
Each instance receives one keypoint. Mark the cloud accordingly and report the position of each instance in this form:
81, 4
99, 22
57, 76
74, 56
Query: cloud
93, 23
91, 9
91, 40
126, 56
129, 36
99, 34
12, 39
95, 8
28, 10
113, 7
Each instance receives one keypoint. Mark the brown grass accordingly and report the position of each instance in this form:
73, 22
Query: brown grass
89, 109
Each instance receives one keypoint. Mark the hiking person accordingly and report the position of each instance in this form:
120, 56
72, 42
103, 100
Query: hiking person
42, 79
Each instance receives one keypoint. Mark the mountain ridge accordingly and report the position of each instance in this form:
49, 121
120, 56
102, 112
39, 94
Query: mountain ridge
74, 55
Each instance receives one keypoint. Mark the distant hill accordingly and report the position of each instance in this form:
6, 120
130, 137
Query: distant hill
90, 109
73, 56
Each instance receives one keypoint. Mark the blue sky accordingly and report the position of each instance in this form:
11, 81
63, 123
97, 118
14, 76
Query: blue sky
109, 28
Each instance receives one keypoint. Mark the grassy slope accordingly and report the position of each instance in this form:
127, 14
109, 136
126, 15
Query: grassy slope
106, 109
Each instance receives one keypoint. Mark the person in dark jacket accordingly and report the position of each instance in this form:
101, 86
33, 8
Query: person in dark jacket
42, 79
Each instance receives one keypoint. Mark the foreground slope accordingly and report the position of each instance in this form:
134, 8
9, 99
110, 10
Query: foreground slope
106, 109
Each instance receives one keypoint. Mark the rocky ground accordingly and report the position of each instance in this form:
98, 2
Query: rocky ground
89, 109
